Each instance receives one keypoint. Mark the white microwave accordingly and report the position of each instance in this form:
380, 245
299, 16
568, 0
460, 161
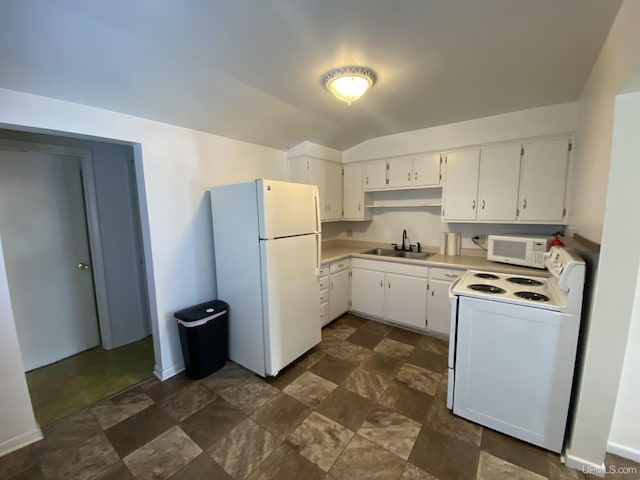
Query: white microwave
528, 251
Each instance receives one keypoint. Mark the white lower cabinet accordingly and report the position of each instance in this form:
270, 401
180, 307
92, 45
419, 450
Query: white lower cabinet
391, 291
323, 286
405, 300
339, 288
367, 292
438, 303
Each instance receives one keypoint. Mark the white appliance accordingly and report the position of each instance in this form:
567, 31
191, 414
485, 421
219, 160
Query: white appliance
528, 251
512, 349
267, 251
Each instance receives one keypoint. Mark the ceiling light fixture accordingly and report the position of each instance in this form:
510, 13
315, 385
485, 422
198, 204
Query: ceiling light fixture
349, 83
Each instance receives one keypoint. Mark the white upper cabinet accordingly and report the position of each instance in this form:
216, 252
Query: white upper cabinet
333, 191
460, 190
375, 175
543, 179
509, 183
399, 172
327, 176
353, 193
426, 170
498, 183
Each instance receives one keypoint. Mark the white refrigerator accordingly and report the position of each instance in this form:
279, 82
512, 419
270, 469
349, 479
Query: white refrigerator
266, 237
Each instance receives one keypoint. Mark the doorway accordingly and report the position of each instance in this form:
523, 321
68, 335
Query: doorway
78, 291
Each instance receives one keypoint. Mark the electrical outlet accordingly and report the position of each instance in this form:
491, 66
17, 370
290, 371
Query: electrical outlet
349, 233
480, 239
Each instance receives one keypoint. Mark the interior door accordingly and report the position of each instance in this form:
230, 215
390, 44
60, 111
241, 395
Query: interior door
44, 235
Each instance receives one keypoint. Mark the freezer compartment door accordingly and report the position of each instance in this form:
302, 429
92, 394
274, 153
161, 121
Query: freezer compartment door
291, 304
287, 209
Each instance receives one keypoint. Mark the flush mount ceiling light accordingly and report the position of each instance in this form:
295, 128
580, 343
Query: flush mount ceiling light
349, 83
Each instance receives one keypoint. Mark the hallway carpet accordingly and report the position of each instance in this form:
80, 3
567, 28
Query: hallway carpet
64, 387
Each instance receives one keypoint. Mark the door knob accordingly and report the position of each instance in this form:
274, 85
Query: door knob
83, 266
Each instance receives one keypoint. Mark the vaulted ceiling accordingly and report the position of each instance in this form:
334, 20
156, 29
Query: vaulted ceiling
251, 69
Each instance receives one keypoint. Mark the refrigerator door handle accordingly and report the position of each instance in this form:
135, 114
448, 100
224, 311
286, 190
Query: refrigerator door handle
318, 253
318, 218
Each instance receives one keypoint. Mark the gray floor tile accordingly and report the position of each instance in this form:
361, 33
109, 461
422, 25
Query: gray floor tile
345, 407
163, 456
392, 431
137, 430
515, 451
364, 459
121, 407
310, 389
213, 422
491, 467
285, 463
320, 439
332, 368
281, 415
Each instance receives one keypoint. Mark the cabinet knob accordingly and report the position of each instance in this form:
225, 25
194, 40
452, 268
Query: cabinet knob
524, 204
409, 176
473, 207
432, 292
358, 207
389, 284
367, 180
380, 283
416, 176
482, 204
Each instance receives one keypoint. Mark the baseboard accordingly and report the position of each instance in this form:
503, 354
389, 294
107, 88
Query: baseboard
623, 451
167, 372
20, 441
584, 466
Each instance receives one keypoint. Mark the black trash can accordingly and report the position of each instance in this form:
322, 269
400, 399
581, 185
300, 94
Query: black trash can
204, 336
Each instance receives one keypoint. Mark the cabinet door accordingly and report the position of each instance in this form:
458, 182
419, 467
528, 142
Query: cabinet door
333, 182
399, 172
353, 198
405, 300
543, 176
318, 176
438, 307
338, 294
375, 175
426, 170
460, 190
367, 292
498, 184
299, 170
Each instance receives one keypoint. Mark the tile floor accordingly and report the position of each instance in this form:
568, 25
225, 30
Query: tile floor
367, 403
74, 383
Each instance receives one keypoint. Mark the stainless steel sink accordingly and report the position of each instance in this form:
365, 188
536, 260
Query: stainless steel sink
415, 255
389, 252
383, 252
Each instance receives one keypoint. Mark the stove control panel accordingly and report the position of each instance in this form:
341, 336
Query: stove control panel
561, 263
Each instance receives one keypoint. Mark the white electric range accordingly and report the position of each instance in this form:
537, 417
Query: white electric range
512, 348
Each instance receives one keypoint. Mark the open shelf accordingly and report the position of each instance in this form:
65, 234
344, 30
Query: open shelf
404, 199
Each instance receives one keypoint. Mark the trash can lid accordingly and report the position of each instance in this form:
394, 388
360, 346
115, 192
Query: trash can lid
202, 311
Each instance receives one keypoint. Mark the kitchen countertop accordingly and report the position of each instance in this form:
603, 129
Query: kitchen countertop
333, 250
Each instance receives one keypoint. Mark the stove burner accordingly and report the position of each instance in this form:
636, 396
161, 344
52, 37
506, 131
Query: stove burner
525, 281
486, 288
487, 276
536, 297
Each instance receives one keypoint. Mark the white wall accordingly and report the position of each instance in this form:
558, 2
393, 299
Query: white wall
425, 225
554, 119
178, 166
624, 438
17, 422
608, 167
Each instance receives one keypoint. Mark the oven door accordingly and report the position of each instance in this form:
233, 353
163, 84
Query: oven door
453, 299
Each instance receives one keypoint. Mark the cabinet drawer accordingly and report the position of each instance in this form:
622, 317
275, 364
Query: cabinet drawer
324, 270
448, 274
324, 314
324, 296
323, 283
339, 266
